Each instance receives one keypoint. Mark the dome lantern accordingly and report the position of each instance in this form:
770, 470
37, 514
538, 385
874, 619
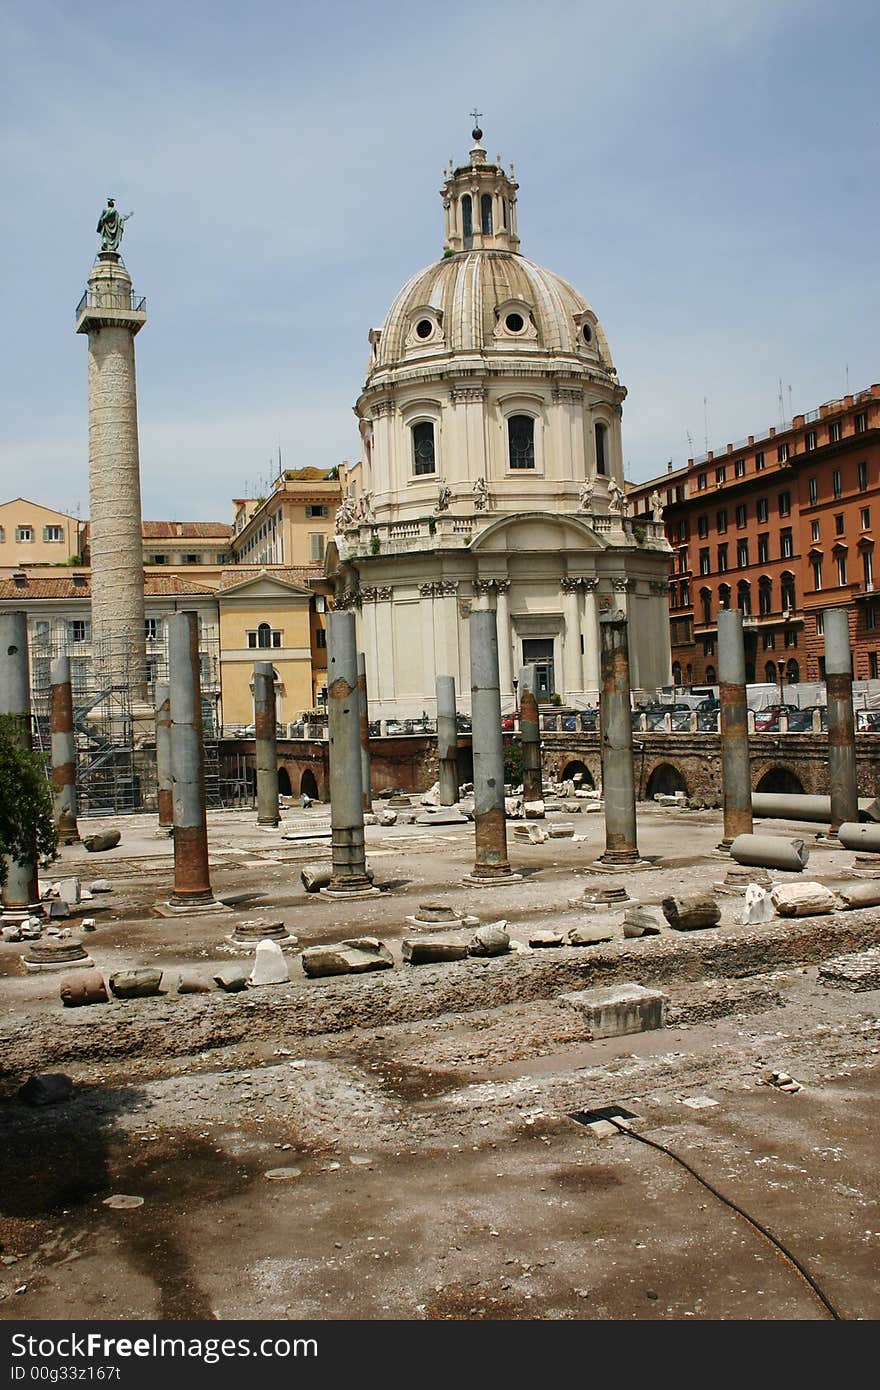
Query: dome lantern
479, 200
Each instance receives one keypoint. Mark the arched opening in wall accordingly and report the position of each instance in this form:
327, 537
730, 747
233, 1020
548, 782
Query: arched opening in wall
308, 785
676, 673
284, 788
779, 779
792, 672
264, 635
665, 780
424, 455
706, 601
690, 674
486, 214
724, 596
521, 441
710, 675
770, 673
467, 221
573, 769
601, 433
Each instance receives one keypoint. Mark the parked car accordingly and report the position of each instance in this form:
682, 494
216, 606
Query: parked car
868, 721
508, 723
589, 720
800, 721
767, 720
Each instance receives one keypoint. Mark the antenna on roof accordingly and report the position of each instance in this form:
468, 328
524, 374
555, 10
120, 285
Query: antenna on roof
847, 378
706, 421
690, 440
781, 404
790, 407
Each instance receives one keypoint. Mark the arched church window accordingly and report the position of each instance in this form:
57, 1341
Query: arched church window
504, 212
467, 220
601, 451
486, 214
521, 441
423, 447
264, 635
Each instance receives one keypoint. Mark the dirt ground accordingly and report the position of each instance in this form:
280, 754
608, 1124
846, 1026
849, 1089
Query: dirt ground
421, 1117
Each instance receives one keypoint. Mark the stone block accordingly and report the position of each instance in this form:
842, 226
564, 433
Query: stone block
232, 981
613, 1012
513, 807
572, 808
692, 912
353, 957
136, 984
561, 830
444, 815
270, 967
854, 895
490, 940
531, 834
540, 939
640, 921
757, 907
69, 891
51, 1088
431, 950
57, 909
100, 885
87, 987
802, 899
103, 840
533, 810
590, 934
193, 984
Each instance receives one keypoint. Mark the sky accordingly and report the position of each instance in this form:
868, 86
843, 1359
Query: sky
705, 172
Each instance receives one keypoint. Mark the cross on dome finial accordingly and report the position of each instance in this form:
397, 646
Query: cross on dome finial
477, 117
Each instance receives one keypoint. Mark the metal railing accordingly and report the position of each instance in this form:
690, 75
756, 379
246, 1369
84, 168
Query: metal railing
124, 300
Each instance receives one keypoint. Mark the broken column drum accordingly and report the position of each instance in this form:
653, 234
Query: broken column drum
346, 787
63, 751
20, 889
192, 884
364, 726
530, 731
447, 740
841, 722
266, 743
736, 776
618, 773
164, 795
490, 826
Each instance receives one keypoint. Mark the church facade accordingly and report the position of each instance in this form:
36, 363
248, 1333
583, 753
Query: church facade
492, 475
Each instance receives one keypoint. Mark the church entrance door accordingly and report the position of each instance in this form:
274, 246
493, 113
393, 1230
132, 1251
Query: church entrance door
538, 652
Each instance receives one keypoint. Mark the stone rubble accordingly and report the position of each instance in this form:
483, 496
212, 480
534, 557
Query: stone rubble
802, 899
692, 912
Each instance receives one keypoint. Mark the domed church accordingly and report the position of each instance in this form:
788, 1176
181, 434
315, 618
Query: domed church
492, 475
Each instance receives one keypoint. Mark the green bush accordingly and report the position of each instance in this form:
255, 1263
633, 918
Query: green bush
513, 763
375, 544
26, 821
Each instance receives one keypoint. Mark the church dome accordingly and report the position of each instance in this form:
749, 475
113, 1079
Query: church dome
488, 301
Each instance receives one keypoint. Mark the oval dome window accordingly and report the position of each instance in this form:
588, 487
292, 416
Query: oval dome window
424, 328
514, 323
587, 333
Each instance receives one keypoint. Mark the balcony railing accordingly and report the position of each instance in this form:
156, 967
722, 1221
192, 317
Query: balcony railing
125, 300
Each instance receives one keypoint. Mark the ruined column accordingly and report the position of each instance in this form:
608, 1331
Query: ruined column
63, 751
346, 787
364, 726
266, 743
447, 740
192, 883
530, 730
736, 772
491, 863
20, 889
615, 713
841, 721
164, 794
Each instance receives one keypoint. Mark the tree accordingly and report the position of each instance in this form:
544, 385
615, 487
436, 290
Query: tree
26, 820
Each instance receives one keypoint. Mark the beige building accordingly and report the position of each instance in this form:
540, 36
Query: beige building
293, 525
492, 475
31, 534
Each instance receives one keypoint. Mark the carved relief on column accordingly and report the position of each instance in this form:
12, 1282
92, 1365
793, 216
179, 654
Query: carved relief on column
427, 590
590, 585
446, 588
570, 584
502, 586
384, 593
369, 594
483, 586
622, 584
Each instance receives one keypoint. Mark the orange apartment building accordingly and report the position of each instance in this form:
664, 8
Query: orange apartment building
780, 525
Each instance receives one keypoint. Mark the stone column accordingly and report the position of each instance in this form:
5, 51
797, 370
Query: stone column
491, 863
20, 890
111, 316
530, 730
346, 791
505, 658
447, 740
590, 633
164, 790
364, 728
572, 665
192, 883
63, 751
736, 773
615, 713
841, 721
265, 743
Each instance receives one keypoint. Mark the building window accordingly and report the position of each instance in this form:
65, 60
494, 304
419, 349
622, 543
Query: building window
720, 474
79, 630
863, 477
838, 524
742, 554
872, 666
785, 504
191, 559
814, 491
815, 530
423, 447
763, 548
765, 597
724, 596
721, 520
841, 568
702, 526
834, 432
744, 597
786, 547
762, 508
706, 601
817, 575
701, 482
810, 440
722, 558
820, 624
316, 509
467, 220
265, 636
770, 672
486, 214
153, 629
759, 462
2, 534
42, 630
865, 518
160, 559
521, 441
601, 461
861, 422
868, 569
768, 640
682, 561
791, 638
836, 482
741, 514
685, 593
739, 468
708, 646
673, 595
317, 544
320, 638
53, 533
787, 591
782, 453
871, 615
24, 533
704, 561
710, 675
